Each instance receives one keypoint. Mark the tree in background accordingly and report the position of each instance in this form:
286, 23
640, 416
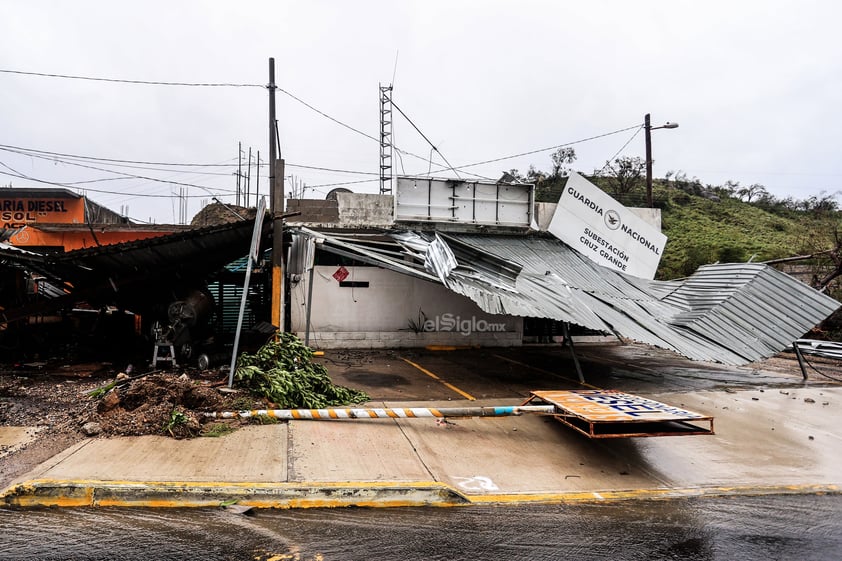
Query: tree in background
535, 176
548, 186
753, 191
821, 205
561, 159
625, 174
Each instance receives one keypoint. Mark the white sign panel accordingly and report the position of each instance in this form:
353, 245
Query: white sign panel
424, 199
591, 222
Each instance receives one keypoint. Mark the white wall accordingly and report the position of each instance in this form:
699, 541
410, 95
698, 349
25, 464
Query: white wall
379, 316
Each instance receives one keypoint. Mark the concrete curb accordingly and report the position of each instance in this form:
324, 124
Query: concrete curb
175, 494
654, 494
83, 493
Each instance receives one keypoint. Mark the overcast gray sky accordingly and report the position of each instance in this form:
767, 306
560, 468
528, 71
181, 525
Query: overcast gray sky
755, 86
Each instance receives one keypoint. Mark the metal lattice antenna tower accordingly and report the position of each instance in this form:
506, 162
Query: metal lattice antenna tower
386, 140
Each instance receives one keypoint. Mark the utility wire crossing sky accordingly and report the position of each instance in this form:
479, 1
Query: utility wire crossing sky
142, 106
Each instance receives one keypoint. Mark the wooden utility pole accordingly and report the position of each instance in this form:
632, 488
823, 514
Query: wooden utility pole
647, 129
276, 190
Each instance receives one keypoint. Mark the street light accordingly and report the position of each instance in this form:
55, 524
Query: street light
648, 128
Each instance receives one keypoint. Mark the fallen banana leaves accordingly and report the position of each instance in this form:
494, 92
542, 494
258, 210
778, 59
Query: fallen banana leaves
283, 371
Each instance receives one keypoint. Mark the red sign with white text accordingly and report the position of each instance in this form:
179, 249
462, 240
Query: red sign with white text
341, 274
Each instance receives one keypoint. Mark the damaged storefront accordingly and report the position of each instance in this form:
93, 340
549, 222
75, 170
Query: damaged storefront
464, 264
441, 263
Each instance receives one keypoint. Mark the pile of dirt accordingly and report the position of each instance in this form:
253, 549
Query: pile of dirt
58, 403
121, 406
215, 214
160, 404
64, 404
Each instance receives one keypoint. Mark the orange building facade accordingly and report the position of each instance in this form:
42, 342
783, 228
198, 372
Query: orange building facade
59, 220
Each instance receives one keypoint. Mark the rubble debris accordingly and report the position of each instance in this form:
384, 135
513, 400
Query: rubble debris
156, 404
91, 429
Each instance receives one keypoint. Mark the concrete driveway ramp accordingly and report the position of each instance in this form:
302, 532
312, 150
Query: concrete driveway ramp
615, 414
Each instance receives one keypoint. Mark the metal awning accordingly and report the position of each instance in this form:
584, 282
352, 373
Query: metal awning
132, 274
727, 313
615, 414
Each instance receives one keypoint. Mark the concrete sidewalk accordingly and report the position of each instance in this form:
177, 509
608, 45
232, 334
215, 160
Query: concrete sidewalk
772, 441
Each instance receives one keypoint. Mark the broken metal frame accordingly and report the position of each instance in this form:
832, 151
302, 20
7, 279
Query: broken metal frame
254, 255
727, 313
800, 358
367, 255
615, 414
612, 414
568, 341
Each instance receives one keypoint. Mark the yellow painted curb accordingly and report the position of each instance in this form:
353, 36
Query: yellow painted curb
182, 494
379, 494
654, 494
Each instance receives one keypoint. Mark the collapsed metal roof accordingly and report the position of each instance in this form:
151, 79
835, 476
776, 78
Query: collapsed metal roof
137, 272
728, 313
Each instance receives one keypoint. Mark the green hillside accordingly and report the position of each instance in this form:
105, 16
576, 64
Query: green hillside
726, 223
712, 224
703, 231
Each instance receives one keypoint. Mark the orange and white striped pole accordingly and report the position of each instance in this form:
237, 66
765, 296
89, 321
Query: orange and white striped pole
385, 413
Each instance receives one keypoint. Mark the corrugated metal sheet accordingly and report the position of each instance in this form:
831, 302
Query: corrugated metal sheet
207, 249
133, 274
729, 313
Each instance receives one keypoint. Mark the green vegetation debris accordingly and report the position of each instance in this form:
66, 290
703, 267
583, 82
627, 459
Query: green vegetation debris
177, 418
284, 372
101, 391
216, 430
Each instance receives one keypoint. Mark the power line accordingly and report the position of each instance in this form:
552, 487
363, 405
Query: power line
311, 107
32, 152
325, 115
141, 82
341, 183
395, 105
73, 159
200, 84
820, 372
607, 162
98, 180
19, 175
190, 84
128, 175
94, 158
366, 135
539, 150
317, 168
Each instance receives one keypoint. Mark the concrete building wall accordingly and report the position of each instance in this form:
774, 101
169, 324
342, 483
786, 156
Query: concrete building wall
360, 209
393, 311
313, 211
349, 210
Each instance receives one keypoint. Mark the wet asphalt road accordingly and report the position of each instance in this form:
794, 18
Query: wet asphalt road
514, 372
737, 528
